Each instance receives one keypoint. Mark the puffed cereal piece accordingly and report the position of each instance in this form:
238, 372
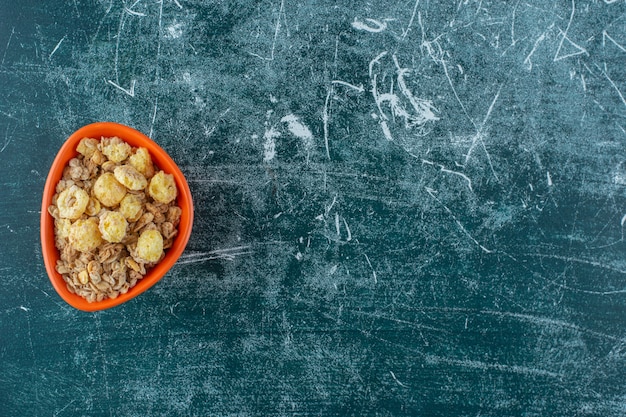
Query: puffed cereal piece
163, 187
131, 207
87, 147
72, 202
142, 162
84, 235
149, 246
115, 149
113, 226
108, 190
62, 227
130, 177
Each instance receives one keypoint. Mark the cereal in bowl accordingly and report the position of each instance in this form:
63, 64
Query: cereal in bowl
115, 215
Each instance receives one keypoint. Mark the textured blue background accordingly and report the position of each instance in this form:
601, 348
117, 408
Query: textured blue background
402, 207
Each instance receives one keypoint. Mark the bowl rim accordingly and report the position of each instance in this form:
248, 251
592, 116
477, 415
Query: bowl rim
163, 161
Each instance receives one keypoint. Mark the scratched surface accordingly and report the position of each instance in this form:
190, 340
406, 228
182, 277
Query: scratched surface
402, 207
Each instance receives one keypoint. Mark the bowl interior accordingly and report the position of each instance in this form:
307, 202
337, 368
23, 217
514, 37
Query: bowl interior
163, 161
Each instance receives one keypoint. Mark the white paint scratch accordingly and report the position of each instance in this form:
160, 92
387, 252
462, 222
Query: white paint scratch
606, 36
154, 114
478, 137
134, 13
358, 88
118, 39
424, 109
376, 61
269, 146
65, 407
578, 50
345, 224
595, 264
527, 61
439, 58
7, 140
432, 359
330, 206
513, 41
485, 366
57, 46
396, 379
325, 119
619, 93
299, 130
8, 44
175, 30
432, 192
172, 307
417, 114
130, 91
226, 253
386, 130
408, 27
449, 171
277, 29
374, 276
370, 25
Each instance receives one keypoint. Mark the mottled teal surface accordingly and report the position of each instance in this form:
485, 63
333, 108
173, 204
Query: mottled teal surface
402, 207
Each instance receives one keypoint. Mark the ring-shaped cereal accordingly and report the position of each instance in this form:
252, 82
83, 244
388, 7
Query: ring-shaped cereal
72, 202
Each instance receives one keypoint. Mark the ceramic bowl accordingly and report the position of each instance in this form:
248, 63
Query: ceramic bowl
163, 161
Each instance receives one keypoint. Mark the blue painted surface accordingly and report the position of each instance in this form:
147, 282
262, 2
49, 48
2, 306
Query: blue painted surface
402, 208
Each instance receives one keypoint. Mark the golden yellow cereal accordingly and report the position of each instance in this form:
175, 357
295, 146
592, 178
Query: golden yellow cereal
142, 162
115, 149
84, 235
72, 202
87, 147
108, 190
62, 227
130, 177
113, 226
131, 207
149, 246
163, 187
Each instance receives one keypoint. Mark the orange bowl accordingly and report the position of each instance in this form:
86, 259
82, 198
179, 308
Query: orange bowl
163, 161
